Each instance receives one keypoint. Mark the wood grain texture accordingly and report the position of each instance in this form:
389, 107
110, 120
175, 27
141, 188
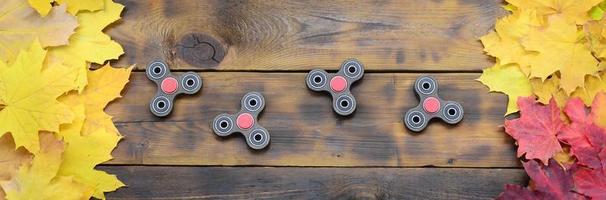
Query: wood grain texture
311, 183
305, 131
272, 35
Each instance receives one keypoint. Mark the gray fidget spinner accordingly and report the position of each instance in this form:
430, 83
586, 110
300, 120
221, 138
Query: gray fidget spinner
169, 86
245, 122
431, 106
338, 85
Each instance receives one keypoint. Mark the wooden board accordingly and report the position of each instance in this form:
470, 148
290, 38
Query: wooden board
304, 129
311, 183
274, 35
269, 46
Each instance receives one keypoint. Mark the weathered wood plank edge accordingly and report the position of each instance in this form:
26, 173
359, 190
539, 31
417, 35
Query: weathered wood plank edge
160, 182
294, 35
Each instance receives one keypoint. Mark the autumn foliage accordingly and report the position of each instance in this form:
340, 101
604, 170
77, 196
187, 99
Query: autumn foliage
550, 61
53, 128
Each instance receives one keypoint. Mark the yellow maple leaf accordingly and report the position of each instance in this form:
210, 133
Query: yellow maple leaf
508, 79
89, 43
595, 32
20, 26
29, 96
11, 159
83, 153
560, 50
105, 85
574, 10
550, 88
38, 180
504, 44
73, 6
42, 6
92, 136
593, 85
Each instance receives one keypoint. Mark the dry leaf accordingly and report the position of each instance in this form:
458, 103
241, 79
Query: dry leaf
83, 153
560, 50
92, 136
73, 6
593, 85
548, 89
536, 129
29, 96
89, 43
11, 158
21, 25
38, 180
105, 85
574, 10
509, 80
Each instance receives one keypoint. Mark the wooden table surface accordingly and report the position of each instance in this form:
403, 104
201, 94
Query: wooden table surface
269, 46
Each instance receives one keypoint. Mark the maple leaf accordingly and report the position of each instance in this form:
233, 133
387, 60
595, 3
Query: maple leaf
11, 159
73, 6
20, 26
29, 94
105, 85
585, 138
520, 193
550, 182
536, 129
92, 136
89, 43
591, 182
548, 89
509, 80
574, 10
504, 44
598, 110
595, 34
560, 50
38, 180
593, 85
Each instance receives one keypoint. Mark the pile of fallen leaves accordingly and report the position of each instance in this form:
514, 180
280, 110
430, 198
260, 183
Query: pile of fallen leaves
550, 60
53, 128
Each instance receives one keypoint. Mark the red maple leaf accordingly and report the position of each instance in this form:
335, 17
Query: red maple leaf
550, 182
591, 182
520, 193
536, 129
585, 138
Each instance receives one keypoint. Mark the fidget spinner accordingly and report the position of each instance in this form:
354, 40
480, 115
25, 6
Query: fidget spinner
256, 136
338, 85
431, 106
169, 86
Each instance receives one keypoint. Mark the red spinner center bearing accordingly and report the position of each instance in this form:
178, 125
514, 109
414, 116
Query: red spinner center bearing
245, 121
169, 85
431, 105
338, 84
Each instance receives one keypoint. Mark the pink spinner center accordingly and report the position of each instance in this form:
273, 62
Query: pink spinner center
169, 85
431, 105
338, 83
245, 121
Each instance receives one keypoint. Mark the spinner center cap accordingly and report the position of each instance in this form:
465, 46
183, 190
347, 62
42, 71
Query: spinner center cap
245, 121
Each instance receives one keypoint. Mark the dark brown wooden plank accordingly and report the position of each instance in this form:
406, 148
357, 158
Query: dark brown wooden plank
301, 35
146, 182
304, 129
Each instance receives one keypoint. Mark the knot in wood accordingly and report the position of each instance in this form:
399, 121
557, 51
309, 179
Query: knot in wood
201, 50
